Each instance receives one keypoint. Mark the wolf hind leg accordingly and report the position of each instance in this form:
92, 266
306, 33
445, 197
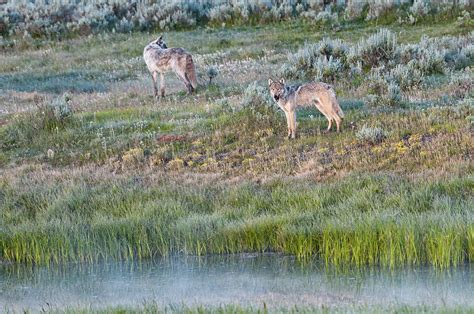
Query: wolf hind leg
338, 123
154, 76
184, 78
189, 86
317, 103
329, 124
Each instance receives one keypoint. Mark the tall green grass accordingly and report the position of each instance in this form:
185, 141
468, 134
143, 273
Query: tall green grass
239, 309
362, 220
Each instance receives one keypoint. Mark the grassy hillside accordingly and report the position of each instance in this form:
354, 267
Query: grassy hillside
93, 167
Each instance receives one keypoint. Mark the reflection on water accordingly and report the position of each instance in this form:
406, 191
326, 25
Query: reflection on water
238, 279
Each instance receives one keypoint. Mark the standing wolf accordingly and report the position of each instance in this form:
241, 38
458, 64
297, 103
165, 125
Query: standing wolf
320, 94
161, 59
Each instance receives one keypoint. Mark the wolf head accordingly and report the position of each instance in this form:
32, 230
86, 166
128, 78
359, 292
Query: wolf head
277, 89
160, 42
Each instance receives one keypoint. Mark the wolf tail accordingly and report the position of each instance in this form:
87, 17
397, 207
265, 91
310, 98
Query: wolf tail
191, 71
335, 104
340, 113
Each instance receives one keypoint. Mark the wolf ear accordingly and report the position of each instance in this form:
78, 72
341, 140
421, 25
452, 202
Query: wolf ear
270, 81
160, 38
282, 81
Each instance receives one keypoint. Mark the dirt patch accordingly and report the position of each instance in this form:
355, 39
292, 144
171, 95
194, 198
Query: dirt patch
169, 138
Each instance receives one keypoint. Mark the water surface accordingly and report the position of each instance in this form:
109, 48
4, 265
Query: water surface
278, 281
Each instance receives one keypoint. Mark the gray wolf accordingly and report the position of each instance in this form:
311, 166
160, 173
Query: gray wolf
161, 59
320, 94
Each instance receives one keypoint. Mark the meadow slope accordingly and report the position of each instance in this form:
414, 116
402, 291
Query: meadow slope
92, 167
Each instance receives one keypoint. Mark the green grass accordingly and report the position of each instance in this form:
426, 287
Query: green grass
362, 220
236, 309
129, 177
416, 139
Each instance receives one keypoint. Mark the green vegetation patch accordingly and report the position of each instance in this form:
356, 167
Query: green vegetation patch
362, 220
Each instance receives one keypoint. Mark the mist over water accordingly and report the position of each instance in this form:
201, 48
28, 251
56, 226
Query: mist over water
245, 279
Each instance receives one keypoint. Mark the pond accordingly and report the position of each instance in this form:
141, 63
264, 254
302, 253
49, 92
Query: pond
244, 279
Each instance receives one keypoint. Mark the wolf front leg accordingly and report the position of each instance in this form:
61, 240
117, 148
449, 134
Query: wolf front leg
288, 123
292, 115
162, 84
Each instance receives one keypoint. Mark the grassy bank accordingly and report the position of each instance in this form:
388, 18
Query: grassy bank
235, 309
93, 168
377, 219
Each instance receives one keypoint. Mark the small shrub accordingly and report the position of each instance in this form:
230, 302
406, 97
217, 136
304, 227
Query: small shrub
394, 95
371, 100
468, 51
176, 164
291, 71
461, 61
211, 73
430, 62
378, 48
124, 26
333, 48
257, 96
49, 117
373, 135
408, 20
378, 8
327, 70
457, 60
176, 18
420, 8
460, 58
321, 60
407, 53
55, 115
133, 156
50, 153
427, 56
462, 83
259, 111
406, 76
302, 61
464, 20
354, 10
381, 91
326, 18
376, 81
220, 13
